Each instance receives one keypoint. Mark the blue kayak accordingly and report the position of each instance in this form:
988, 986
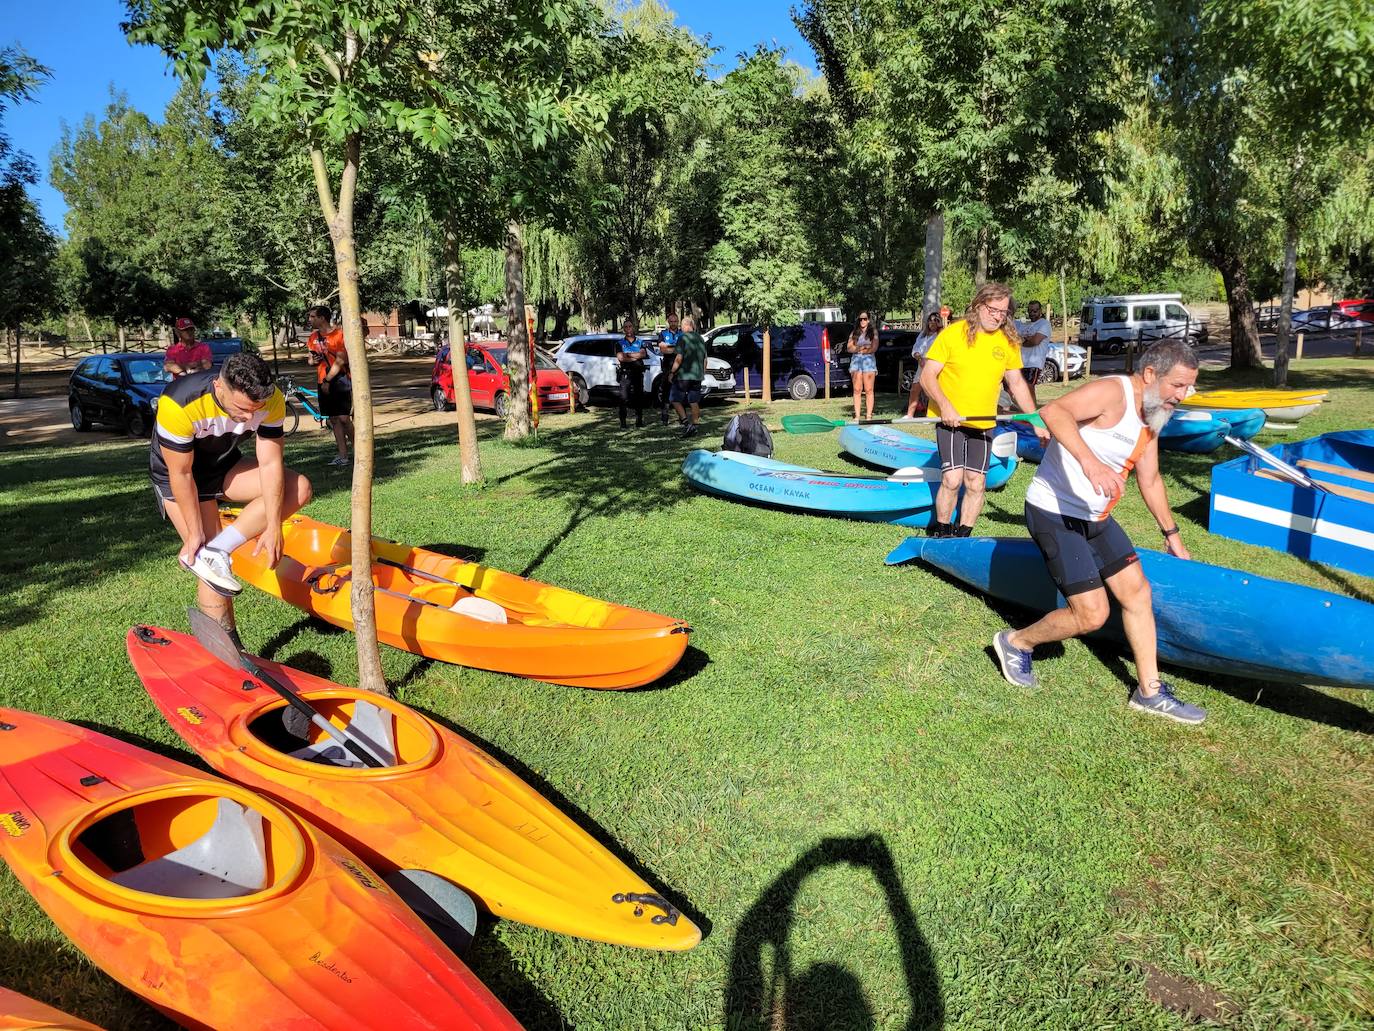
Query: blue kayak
892, 449
740, 477
1028, 446
1208, 617
1195, 432
1244, 422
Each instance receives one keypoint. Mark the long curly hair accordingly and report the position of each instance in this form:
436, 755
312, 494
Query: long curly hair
987, 293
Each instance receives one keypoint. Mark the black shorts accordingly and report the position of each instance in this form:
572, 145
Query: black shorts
1079, 553
963, 448
1031, 376
686, 391
338, 399
209, 487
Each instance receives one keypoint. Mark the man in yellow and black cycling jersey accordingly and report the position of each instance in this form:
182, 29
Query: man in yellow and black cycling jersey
194, 461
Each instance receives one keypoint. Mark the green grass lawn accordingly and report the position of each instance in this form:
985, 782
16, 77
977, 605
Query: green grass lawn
873, 829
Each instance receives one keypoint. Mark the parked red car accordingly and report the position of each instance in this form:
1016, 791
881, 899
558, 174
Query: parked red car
489, 385
1361, 308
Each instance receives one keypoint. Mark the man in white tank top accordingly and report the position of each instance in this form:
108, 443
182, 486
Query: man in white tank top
1101, 432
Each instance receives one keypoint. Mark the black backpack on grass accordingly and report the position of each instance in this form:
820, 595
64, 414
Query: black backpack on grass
747, 434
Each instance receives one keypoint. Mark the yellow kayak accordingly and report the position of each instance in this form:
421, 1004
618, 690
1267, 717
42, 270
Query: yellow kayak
1283, 405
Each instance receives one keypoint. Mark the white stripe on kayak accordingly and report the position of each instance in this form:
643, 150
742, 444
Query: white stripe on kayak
1293, 521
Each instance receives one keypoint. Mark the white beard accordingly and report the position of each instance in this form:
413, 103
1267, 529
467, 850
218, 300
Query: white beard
1156, 413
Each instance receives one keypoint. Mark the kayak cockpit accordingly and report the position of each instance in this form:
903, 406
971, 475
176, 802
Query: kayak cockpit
283, 738
185, 846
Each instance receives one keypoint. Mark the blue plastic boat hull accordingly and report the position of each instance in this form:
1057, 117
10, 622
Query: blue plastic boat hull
800, 489
892, 449
1323, 527
1208, 617
1028, 446
1198, 433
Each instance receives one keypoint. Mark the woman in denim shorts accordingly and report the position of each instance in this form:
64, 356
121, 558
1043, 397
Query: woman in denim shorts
863, 365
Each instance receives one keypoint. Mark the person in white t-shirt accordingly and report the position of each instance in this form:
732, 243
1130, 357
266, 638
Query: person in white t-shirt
1035, 344
924, 339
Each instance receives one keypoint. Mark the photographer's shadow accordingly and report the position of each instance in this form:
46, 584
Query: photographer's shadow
772, 995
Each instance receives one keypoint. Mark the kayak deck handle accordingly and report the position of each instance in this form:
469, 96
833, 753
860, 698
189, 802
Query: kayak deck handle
314, 581
147, 635
668, 916
683, 629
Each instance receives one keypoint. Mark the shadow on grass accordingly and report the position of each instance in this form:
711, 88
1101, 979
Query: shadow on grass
573, 813
47, 973
765, 992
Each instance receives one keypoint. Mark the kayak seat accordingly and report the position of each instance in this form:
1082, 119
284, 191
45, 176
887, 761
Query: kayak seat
227, 861
371, 723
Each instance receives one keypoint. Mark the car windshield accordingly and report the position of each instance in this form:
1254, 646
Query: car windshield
541, 361
145, 371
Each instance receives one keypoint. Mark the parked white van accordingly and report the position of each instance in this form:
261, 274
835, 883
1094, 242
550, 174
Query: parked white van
1110, 323
835, 314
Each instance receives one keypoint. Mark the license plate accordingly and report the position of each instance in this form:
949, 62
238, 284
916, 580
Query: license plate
558, 397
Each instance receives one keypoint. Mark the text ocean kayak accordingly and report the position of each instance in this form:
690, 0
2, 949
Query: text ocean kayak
550, 633
1208, 617
20, 1012
215, 905
445, 805
796, 488
892, 449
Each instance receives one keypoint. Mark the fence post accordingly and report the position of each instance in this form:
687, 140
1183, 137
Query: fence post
766, 389
1298, 355
745, 370
1359, 341
901, 375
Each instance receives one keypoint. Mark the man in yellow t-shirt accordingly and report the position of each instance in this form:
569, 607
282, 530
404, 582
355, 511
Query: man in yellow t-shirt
964, 371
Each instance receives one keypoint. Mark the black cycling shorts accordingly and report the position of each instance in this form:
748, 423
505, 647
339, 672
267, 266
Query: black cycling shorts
338, 399
1080, 554
963, 448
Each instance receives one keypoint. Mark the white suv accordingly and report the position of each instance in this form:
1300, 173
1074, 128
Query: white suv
1110, 323
589, 360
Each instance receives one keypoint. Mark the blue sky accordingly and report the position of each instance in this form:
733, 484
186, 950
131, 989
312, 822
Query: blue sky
80, 41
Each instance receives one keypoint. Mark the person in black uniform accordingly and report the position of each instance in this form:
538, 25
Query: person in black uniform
194, 461
630, 354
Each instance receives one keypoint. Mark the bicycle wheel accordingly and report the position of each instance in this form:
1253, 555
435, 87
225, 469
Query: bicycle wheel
291, 420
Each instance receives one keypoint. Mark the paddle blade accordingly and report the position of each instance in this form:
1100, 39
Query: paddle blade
214, 638
1004, 445
915, 474
809, 423
445, 908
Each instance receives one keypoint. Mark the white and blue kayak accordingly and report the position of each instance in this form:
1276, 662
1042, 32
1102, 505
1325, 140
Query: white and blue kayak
1244, 422
905, 500
1208, 617
1198, 433
892, 449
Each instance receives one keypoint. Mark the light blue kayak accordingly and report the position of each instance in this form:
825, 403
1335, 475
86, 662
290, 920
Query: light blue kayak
1208, 617
1193, 431
1244, 422
766, 481
892, 449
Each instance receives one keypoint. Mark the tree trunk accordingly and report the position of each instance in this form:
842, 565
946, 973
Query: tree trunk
935, 266
339, 218
18, 354
1290, 276
518, 372
469, 457
560, 321
980, 272
1245, 346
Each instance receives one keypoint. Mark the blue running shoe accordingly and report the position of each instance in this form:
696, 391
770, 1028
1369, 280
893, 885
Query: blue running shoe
1016, 663
1163, 703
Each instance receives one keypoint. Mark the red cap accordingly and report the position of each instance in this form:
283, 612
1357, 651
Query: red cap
185, 324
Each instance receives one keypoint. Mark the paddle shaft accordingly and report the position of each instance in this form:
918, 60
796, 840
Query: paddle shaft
1294, 474
218, 643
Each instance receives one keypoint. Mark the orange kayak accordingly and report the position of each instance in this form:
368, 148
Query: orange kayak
19, 1011
548, 633
444, 805
217, 906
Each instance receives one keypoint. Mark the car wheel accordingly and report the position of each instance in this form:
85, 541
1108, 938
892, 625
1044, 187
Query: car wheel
136, 423
440, 400
801, 388
579, 385
1050, 370
81, 422
502, 404
1115, 346
908, 380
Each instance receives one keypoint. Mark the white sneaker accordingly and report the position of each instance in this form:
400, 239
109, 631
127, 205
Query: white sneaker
340, 460
215, 569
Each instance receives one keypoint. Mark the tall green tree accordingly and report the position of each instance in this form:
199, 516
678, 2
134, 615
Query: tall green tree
761, 265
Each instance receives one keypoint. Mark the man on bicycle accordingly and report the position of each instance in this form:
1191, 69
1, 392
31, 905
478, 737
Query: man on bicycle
327, 354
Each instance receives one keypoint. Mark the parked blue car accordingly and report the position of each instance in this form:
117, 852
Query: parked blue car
121, 389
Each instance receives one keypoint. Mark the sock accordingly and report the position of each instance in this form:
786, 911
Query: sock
227, 540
